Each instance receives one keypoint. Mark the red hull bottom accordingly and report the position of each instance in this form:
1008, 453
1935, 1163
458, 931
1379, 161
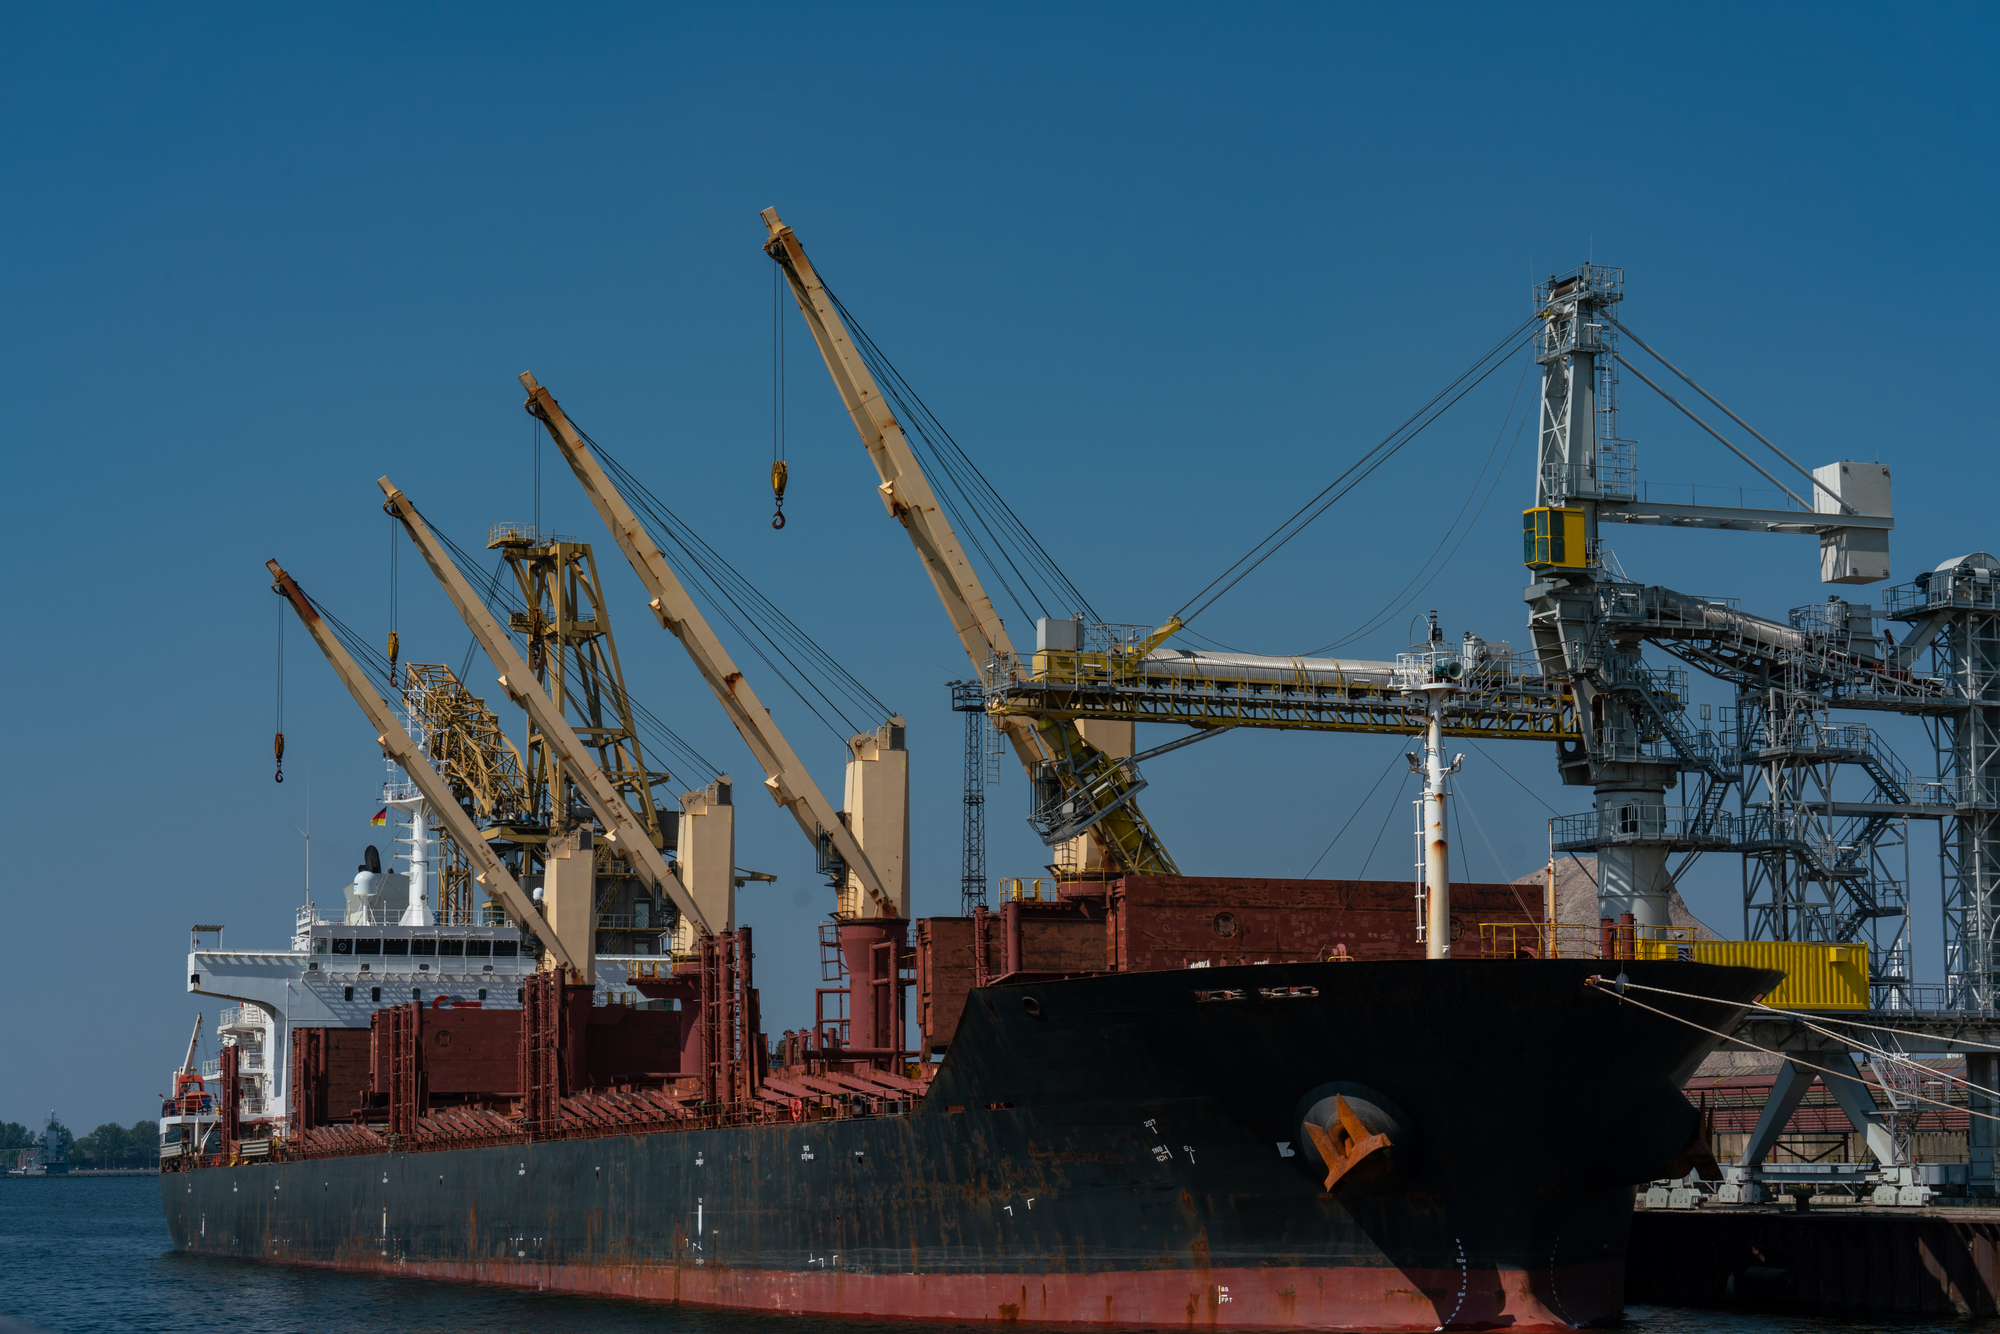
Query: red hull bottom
1357, 1298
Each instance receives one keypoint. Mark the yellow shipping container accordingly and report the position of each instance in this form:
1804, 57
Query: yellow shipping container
1817, 977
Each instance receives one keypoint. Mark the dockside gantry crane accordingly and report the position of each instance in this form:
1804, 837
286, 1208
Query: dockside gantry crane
569, 883
787, 780
564, 948
1097, 790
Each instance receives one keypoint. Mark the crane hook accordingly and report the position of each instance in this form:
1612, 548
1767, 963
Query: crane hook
278, 750
779, 472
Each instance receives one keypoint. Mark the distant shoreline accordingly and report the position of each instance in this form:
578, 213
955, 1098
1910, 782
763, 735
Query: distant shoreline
89, 1172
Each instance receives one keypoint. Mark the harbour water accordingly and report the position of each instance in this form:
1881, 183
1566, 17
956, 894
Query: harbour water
90, 1256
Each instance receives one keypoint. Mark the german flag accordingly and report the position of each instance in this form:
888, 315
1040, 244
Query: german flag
380, 817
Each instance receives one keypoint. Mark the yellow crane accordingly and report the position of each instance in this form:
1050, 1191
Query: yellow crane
482, 767
569, 883
1096, 789
489, 872
564, 626
785, 777
567, 631
1128, 674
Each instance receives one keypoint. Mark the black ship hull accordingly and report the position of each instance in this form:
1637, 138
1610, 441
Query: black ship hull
1115, 1149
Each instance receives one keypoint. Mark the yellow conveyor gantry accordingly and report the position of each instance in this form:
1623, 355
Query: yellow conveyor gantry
1495, 698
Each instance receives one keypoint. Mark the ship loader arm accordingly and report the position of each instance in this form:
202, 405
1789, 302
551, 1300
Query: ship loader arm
787, 780
1087, 775
488, 870
621, 829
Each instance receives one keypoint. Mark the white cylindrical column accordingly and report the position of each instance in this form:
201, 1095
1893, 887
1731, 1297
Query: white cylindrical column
417, 911
1437, 848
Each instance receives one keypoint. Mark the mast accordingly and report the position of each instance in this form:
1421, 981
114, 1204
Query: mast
1434, 676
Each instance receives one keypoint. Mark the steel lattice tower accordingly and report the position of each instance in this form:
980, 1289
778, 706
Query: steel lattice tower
969, 698
1954, 612
1818, 864
1583, 464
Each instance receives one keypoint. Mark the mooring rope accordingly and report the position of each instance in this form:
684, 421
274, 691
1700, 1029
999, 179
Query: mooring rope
1599, 984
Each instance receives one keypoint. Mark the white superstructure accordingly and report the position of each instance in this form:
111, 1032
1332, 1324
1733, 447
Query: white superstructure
338, 972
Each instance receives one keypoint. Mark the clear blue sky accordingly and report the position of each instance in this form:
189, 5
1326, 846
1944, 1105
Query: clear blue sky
1162, 269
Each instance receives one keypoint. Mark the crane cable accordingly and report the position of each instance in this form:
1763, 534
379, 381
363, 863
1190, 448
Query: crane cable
1358, 471
1810, 476
1399, 601
472, 641
1401, 783
664, 738
807, 669
495, 593
1517, 782
973, 503
278, 745
395, 644
779, 472
1360, 806
1460, 807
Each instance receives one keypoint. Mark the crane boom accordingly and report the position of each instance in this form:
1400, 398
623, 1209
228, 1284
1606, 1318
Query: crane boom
1090, 778
621, 830
396, 743
905, 490
194, 1039
787, 780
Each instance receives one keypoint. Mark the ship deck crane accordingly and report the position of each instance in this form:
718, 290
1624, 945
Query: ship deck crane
787, 780
488, 870
1097, 790
1132, 677
188, 1083
621, 828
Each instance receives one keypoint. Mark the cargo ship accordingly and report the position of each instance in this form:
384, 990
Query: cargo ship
1126, 1096
1132, 1145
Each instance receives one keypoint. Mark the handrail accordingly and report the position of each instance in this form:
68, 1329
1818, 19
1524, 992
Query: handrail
1603, 939
1015, 889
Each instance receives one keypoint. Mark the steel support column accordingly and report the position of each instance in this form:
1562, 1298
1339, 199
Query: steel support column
1982, 1071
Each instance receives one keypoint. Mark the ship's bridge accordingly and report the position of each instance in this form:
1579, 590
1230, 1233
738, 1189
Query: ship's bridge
339, 971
